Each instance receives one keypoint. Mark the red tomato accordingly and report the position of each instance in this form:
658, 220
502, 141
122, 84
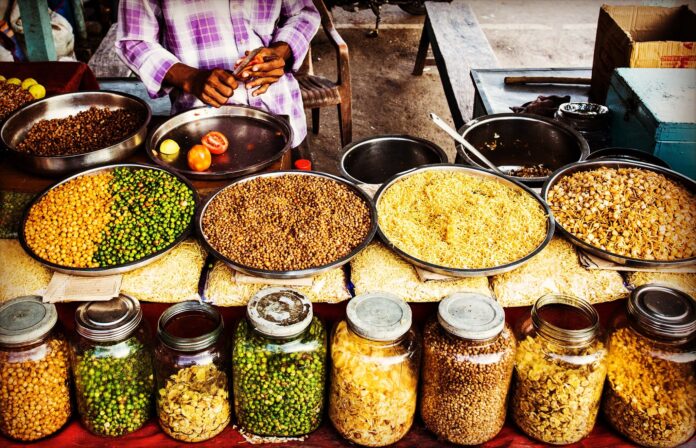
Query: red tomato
199, 158
215, 141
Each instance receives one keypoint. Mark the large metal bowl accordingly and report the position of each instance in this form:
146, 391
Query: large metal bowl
61, 106
111, 270
373, 160
590, 165
515, 140
300, 273
257, 139
472, 171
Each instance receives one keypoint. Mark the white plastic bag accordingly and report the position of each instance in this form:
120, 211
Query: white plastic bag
63, 36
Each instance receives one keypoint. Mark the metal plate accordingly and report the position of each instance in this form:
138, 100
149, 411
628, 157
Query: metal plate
61, 106
111, 270
478, 172
590, 165
256, 138
301, 273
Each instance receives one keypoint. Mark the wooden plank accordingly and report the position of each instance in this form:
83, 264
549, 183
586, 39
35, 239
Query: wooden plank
37, 30
458, 45
79, 16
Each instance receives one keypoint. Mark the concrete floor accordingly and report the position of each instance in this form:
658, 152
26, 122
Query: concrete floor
387, 99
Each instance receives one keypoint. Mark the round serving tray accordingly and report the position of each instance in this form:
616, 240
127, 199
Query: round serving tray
61, 106
590, 165
110, 270
301, 273
257, 139
473, 171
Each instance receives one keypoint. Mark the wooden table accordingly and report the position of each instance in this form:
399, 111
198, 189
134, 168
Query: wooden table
458, 45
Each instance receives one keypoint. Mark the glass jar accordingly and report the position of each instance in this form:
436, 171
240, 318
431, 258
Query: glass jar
193, 400
469, 354
560, 368
375, 356
651, 383
34, 370
278, 365
112, 366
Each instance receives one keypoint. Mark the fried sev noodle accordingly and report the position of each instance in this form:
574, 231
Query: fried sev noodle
457, 220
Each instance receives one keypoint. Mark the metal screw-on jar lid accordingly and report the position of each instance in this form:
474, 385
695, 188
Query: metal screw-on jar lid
108, 321
663, 312
25, 319
379, 316
204, 324
471, 316
279, 312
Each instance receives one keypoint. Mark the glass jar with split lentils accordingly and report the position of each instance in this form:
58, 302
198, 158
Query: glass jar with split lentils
278, 365
112, 366
191, 364
34, 370
560, 368
375, 358
651, 379
469, 354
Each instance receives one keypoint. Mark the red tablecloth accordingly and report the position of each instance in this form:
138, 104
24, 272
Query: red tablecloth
56, 77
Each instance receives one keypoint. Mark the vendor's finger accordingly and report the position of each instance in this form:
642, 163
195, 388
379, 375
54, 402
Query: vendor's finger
209, 101
221, 88
277, 73
261, 81
268, 66
228, 80
214, 94
261, 90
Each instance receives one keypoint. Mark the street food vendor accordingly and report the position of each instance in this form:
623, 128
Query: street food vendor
189, 48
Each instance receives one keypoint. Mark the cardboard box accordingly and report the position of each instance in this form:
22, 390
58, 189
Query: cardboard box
641, 37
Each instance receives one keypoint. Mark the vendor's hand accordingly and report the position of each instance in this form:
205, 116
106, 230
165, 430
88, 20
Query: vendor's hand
267, 72
213, 87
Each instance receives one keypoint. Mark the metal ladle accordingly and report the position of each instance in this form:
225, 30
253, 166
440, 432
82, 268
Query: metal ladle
461, 140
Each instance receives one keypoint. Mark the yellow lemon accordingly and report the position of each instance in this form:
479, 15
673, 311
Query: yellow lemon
2, 78
14, 81
37, 91
28, 83
169, 146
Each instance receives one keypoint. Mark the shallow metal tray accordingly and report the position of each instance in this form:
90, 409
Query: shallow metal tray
590, 165
300, 273
61, 106
257, 139
472, 171
111, 270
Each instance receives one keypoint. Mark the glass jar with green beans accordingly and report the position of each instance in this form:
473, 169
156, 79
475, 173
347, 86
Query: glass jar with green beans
279, 365
112, 366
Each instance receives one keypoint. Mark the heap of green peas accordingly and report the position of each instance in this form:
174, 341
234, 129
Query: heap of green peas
279, 385
149, 210
114, 394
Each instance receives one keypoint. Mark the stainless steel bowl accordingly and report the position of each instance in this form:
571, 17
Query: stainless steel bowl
373, 160
300, 273
512, 140
590, 165
60, 106
472, 171
111, 270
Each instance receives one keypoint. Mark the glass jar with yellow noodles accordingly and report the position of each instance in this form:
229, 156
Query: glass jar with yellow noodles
651, 382
559, 373
375, 358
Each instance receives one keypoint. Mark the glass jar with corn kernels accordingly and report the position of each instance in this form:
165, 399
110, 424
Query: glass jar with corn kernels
651, 384
34, 370
469, 354
560, 367
375, 358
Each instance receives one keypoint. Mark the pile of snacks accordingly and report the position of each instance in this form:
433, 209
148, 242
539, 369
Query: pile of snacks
373, 389
279, 391
20, 275
109, 218
682, 282
556, 269
287, 222
89, 130
35, 391
630, 212
650, 398
12, 97
114, 387
377, 268
458, 220
466, 385
194, 404
556, 395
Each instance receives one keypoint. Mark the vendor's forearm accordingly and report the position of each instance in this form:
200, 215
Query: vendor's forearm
181, 76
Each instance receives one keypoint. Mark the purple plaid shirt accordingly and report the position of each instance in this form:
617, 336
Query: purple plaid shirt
153, 35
